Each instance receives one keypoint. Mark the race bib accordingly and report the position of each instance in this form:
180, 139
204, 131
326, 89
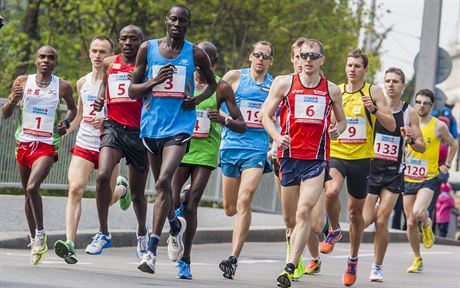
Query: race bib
38, 120
355, 132
386, 147
171, 88
309, 108
118, 87
202, 125
416, 169
251, 110
88, 107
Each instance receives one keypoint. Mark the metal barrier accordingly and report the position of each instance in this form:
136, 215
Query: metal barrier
265, 199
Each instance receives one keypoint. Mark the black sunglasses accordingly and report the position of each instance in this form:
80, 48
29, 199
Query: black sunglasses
260, 54
423, 103
312, 55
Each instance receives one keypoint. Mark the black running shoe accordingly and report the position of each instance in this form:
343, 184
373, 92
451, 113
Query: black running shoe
228, 266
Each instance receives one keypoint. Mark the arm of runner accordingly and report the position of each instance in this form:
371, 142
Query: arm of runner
67, 92
278, 90
446, 138
232, 78
339, 115
17, 91
99, 103
236, 122
381, 110
137, 88
412, 134
202, 60
77, 120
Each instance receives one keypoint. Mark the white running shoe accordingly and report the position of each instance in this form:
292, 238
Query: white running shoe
142, 244
176, 243
148, 263
376, 273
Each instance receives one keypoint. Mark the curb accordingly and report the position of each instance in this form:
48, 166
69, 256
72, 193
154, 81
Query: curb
124, 238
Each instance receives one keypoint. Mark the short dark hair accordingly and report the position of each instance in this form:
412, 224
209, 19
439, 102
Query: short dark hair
398, 72
358, 53
266, 43
189, 13
425, 92
103, 38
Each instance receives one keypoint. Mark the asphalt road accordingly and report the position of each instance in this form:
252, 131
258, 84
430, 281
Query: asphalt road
259, 266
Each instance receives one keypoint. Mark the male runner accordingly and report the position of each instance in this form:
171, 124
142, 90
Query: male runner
203, 152
243, 157
386, 180
85, 156
307, 100
120, 138
421, 175
168, 118
351, 154
39, 136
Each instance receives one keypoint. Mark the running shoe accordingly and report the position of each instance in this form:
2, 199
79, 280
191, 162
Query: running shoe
180, 211
376, 273
428, 235
175, 243
228, 266
39, 247
142, 244
299, 269
183, 270
125, 200
148, 263
100, 242
66, 250
284, 279
417, 266
314, 267
349, 275
327, 245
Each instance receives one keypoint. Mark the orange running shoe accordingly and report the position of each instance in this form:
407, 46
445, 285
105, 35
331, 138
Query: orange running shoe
327, 245
349, 275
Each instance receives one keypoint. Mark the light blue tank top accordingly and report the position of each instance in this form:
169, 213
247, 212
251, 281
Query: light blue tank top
249, 97
163, 114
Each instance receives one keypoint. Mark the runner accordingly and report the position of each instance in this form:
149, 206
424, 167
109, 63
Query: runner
203, 152
386, 180
421, 175
351, 153
244, 157
86, 150
120, 139
168, 118
38, 136
307, 99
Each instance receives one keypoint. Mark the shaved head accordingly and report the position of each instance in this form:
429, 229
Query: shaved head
211, 50
46, 50
135, 29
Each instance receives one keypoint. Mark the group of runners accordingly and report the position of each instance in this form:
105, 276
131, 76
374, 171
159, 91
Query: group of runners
158, 103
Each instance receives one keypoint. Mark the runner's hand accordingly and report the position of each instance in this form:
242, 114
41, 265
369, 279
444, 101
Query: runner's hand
214, 116
190, 102
407, 133
368, 103
166, 72
98, 105
61, 129
18, 92
334, 133
283, 141
97, 122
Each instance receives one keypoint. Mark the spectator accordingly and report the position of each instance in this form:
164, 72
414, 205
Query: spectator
444, 206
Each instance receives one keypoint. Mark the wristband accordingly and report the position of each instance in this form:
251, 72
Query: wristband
412, 141
375, 110
66, 123
447, 165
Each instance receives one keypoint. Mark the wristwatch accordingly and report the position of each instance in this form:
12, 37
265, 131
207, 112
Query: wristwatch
447, 165
227, 120
375, 110
412, 141
66, 123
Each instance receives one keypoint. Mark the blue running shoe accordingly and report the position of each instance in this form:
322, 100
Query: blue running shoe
100, 242
180, 211
183, 270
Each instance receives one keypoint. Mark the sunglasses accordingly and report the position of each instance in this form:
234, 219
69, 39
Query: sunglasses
312, 55
260, 54
423, 103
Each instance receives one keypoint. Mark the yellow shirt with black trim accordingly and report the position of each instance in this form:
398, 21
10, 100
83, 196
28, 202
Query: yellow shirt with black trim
357, 141
424, 166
